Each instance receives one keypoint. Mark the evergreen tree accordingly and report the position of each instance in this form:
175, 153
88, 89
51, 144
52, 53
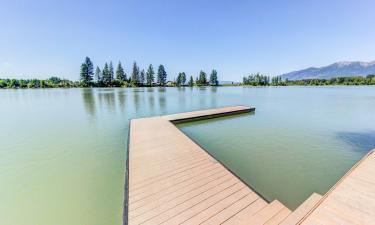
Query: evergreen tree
191, 81
106, 76
83, 73
111, 72
87, 71
179, 79
120, 74
183, 78
90, 69
162, 76
98, 74
142, 77
202, 79
213, 78
135, 74
150, 75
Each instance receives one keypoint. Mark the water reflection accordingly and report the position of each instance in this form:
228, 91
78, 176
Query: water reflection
107, 97
162, 100
88, 97
181, 98
151, 99
213, 96
136, 100
202, 101
121, 96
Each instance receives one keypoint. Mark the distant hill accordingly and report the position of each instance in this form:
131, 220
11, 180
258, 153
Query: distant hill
339, 69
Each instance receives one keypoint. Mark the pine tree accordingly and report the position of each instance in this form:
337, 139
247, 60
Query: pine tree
183, 78
90, 69
191, 81
213, 78
98, 74
202, 79
111, 72
142, 77
135, 74
162, 76
120, 74
83, 73
87, 71
179, 79
150, 75
106, 75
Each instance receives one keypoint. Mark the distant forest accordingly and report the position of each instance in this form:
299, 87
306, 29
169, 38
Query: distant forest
263, 80
109, 77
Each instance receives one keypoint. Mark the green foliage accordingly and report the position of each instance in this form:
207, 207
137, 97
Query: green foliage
106, 75
162, 76
54, 80
98, 75
120, 73
87, 71
213, 78
181, 79
256, 80
276, 81
150, 75
191, 81
202, 79
3, 84
111, 72
135, 74
261, 80
34, 83
142, 76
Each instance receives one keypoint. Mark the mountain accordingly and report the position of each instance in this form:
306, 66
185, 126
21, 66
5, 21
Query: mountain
339, 69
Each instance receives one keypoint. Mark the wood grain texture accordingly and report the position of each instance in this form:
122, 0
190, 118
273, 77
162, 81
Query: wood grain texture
172, 180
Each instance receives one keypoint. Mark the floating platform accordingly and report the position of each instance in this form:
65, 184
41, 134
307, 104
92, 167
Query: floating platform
170, 179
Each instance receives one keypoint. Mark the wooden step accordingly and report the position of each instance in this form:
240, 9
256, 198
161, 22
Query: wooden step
278, 218
302, 210
260, 217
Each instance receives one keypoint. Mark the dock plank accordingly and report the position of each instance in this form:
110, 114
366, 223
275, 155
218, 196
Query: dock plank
172, 180
351, 200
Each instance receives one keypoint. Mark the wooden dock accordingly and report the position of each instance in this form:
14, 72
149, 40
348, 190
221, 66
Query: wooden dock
351, 200
173, 180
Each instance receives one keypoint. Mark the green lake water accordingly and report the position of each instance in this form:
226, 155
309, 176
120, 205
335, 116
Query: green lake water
62, 151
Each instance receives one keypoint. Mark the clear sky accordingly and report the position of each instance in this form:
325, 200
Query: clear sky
40, 38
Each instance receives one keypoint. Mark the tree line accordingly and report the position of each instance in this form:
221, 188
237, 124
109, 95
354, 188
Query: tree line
107, 77
263, 80
52, 82
110, 77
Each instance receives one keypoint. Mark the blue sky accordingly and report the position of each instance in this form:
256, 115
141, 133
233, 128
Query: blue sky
40, 38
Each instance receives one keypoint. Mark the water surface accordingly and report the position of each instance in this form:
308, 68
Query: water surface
62, 152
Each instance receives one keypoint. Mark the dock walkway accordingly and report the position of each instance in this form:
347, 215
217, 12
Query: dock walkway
351, 200
172, 180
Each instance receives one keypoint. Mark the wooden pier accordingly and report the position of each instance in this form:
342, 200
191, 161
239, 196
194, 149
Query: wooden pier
351, 200
173, 180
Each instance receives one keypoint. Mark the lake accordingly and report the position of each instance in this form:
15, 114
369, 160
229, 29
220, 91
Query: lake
62, 152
